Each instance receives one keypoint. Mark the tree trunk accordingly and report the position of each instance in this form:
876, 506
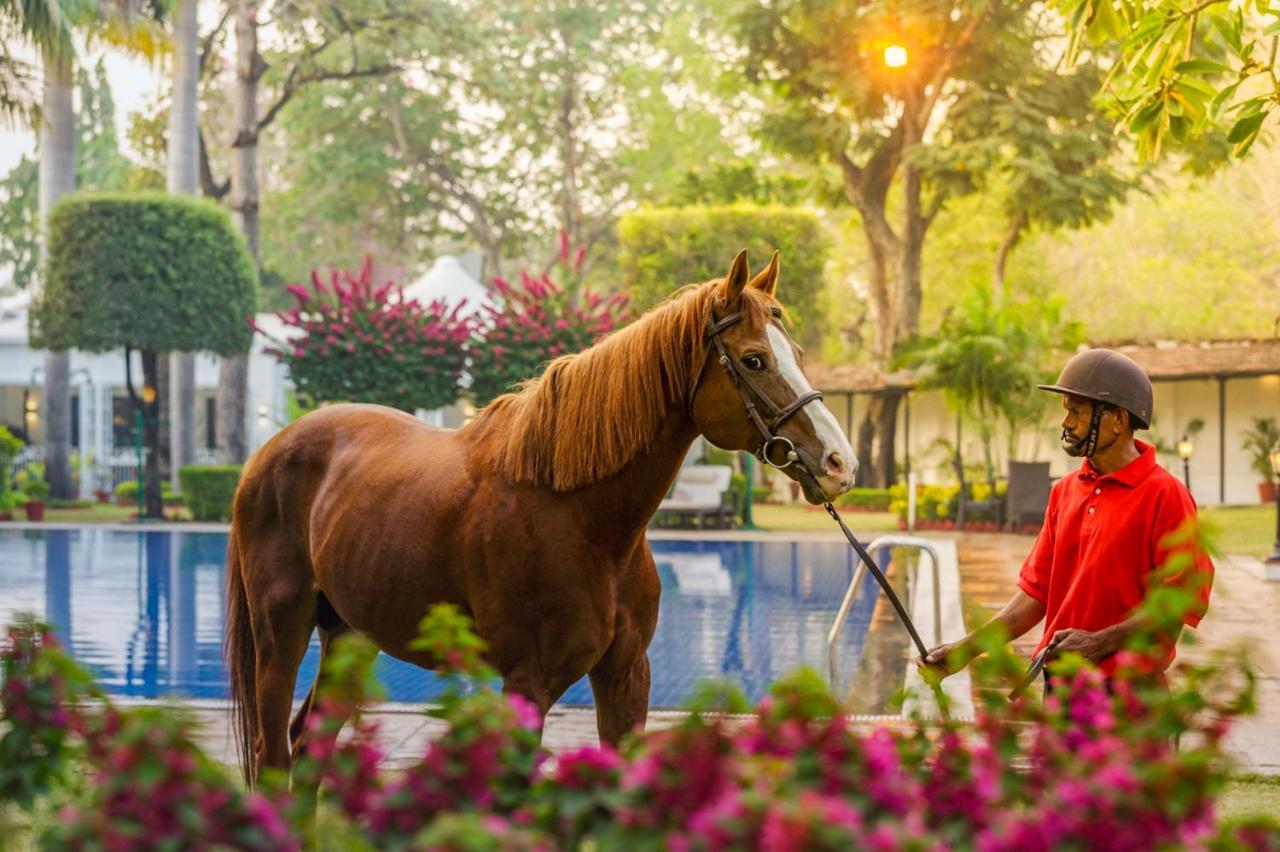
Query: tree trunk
183, 179
233, 373
57, 178
154, 507
1007, 245
866, 447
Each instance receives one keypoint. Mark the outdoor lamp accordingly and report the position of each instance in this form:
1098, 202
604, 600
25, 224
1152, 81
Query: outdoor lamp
1274, 558
1186, 447
895, 56
148, 394
32, 408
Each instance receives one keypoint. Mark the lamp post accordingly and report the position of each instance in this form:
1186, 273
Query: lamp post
1274, 558
1186, 447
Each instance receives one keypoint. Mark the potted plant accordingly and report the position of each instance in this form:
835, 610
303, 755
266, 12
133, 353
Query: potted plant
1258, 443
34, 490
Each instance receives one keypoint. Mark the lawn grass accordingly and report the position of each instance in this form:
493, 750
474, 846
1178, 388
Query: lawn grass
1243, 530
1250, 795
801, 517
100, 513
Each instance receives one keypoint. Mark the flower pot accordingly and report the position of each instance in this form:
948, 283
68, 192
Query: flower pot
102, 495
902, 523
35, 510
1267, 492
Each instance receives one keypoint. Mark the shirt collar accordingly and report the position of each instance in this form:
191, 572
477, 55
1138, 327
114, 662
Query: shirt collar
1132, 473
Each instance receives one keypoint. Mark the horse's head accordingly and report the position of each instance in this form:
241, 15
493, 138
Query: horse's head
752, 393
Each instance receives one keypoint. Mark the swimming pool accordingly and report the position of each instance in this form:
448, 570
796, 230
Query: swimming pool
144, 611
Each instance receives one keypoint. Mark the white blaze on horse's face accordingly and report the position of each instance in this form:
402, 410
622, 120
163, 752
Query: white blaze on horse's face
838, 464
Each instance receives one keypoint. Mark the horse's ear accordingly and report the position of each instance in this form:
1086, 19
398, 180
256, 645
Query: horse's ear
767, 280
736, 280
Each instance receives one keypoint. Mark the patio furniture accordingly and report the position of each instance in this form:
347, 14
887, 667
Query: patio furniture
699, 497
1028, 494
966, 505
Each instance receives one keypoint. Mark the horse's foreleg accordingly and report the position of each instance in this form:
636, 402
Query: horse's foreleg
620, 683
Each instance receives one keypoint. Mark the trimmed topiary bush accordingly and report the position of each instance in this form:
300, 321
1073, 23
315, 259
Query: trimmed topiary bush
145, 272
661, 248
209, 489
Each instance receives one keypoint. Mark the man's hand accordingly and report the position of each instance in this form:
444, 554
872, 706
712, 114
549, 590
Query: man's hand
1094, 645
939, 659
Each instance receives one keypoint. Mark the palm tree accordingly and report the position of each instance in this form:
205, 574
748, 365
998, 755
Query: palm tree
48, 25
184, 178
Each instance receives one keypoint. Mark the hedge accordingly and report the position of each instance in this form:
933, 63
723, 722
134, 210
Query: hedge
866, 499
209, 489
662, 248
149, 271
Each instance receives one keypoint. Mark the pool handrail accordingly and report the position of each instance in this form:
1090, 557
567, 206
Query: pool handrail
842, 614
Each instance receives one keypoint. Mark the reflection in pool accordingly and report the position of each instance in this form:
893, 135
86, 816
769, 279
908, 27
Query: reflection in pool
144, 611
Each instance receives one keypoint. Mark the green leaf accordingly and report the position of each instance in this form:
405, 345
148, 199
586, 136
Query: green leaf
1201, 66
1246, 128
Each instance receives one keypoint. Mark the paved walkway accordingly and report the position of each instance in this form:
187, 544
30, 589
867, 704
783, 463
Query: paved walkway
1242, 614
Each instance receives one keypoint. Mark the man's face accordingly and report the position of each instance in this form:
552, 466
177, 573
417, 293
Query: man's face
1075, 426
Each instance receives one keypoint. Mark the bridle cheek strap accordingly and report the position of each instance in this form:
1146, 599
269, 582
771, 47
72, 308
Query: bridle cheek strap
744, 383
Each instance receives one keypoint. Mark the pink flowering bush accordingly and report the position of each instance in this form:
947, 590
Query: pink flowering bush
538, 320
352, 341
1093, 766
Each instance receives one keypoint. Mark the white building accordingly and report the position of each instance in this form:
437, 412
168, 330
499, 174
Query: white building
1225, 384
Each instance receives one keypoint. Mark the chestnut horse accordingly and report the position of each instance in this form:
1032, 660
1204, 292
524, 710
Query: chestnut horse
530, 518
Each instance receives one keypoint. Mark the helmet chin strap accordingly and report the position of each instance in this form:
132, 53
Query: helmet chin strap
1084, 447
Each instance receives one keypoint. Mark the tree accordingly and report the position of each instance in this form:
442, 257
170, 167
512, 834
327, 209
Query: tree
146, 272
987, 358
328, 41
1201, 74
183, 179
836, 102
349, 340
508, 123
1051, 161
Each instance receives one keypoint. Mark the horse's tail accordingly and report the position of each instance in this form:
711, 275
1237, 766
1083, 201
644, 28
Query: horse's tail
241, 657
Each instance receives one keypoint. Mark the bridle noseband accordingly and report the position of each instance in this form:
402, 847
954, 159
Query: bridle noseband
747, 386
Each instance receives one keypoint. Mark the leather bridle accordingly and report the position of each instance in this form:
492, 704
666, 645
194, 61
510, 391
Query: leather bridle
751, 392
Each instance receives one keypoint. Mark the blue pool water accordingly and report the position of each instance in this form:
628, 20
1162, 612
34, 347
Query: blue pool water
144, 610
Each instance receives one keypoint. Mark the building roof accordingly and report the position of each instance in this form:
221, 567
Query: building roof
1163, 361
856, 378
1208, 359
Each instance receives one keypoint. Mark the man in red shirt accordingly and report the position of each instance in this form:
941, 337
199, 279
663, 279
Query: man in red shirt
1106, 531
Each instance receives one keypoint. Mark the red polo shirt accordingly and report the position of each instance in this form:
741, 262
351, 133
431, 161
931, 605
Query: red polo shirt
1103, 539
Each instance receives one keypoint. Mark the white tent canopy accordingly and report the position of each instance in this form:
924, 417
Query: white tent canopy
449, 282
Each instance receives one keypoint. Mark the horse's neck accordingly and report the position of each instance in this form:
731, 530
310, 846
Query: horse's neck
622, 504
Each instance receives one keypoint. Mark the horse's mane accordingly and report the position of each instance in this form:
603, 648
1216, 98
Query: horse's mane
591, 413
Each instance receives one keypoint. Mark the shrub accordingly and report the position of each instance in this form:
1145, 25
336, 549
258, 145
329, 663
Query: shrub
10, 446
30, 483
866, 499
662, 248
209, 489
127, 491
537, 321
352, 341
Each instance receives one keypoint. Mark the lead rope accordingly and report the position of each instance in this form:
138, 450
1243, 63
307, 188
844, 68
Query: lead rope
938, 695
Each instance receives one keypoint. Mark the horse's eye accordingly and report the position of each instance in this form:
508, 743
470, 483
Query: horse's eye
753, 362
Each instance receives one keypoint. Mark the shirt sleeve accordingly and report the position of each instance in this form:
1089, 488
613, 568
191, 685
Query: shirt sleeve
1034, 577
1175, 532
